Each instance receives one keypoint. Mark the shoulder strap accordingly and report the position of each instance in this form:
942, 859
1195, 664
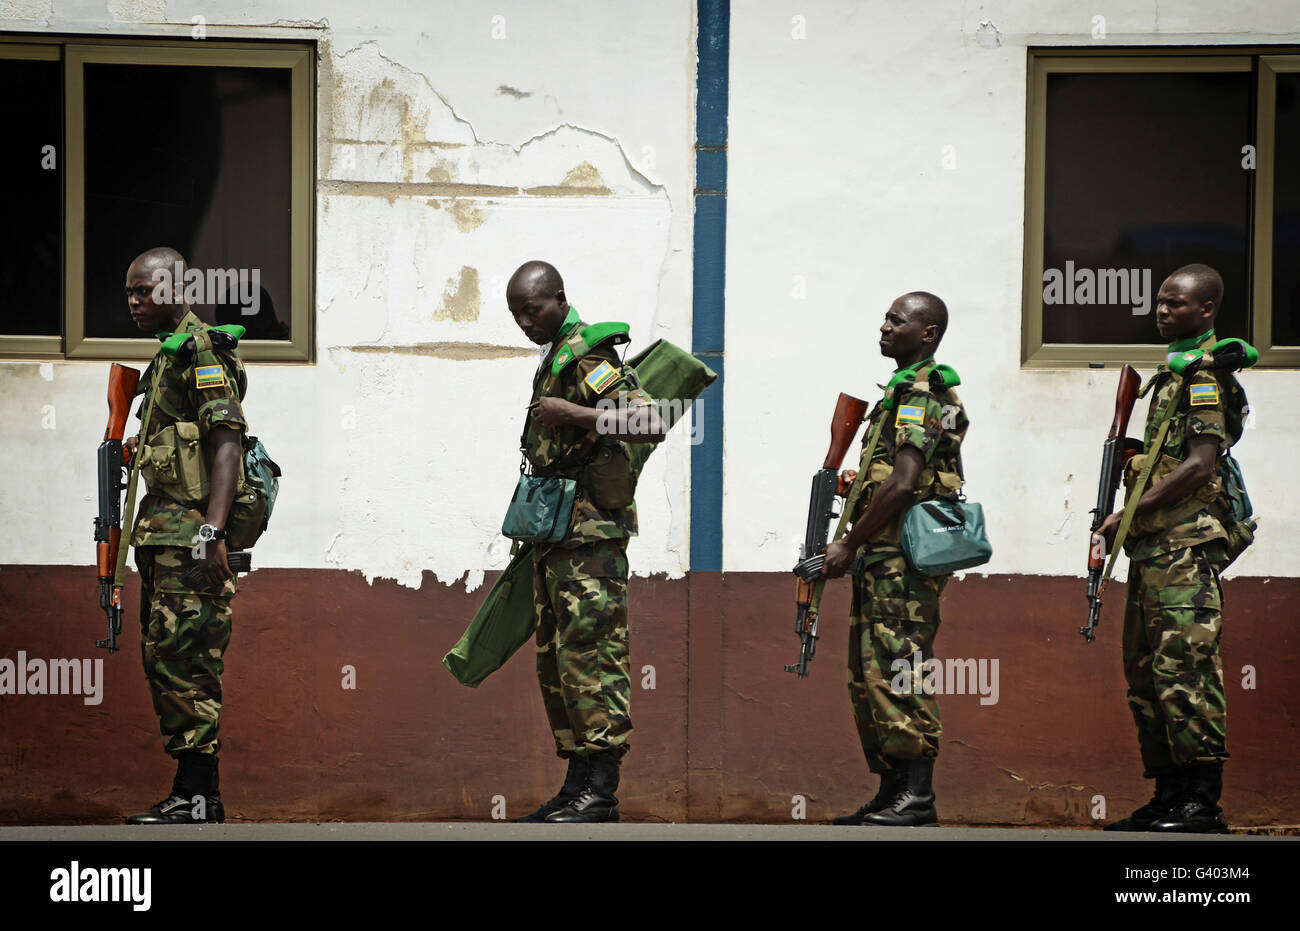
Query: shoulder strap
128, 522
1153, 456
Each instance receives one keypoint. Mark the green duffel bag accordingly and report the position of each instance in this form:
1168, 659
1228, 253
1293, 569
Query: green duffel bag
503, 624
941, 536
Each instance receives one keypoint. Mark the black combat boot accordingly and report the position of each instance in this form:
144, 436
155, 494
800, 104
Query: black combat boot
196, 775
912, 802
1170, 784
596, 801
1197, 810
574, 780
883, 796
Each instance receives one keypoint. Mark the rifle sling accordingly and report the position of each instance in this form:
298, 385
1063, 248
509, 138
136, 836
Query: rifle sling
850, 502
128, 521
1153, 456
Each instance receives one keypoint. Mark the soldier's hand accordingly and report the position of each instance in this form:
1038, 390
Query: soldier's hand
131, 443
1109, 527
213, 565
552, 412
838, 557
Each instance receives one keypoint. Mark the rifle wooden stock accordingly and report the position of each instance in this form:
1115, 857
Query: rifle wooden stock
849, 412
1125, 397
122, 382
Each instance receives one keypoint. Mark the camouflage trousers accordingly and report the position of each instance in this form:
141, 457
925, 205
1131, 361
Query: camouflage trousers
1172, 620
183, 637
895, 614
580, 596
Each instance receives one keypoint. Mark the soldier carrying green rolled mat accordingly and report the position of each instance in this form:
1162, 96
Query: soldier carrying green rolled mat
580, 579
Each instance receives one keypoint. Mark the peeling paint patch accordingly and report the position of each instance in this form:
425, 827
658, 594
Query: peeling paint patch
583, 180
460, 299
468, 217
456, 351
138, 11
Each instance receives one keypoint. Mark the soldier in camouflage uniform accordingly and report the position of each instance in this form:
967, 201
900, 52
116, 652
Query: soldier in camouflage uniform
185, 627
580, 583
1177, 546
895, 612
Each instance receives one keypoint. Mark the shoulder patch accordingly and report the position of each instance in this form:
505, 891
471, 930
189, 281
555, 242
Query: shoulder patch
908, 413
1203, 394
601, 377
209, 376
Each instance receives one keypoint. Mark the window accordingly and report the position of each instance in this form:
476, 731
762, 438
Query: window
124, 145
1140, 162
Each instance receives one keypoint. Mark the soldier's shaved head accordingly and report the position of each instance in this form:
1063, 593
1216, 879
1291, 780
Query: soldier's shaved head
535, 296
929, 309
159, 257
1203, 281
541, 278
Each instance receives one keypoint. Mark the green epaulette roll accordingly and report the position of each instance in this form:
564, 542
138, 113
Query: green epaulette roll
506, 619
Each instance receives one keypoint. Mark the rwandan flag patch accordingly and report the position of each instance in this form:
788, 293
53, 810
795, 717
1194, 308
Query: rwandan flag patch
601, 377
908, 414
209, 376
1204, 394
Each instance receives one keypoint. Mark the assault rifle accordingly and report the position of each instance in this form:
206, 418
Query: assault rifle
112, 458
1118, 449
828, 485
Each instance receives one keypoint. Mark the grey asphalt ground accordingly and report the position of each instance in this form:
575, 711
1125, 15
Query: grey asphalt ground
504, 831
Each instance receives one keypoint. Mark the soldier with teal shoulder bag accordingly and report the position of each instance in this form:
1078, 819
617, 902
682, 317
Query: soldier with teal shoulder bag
1186, 518
906, 495
211, 489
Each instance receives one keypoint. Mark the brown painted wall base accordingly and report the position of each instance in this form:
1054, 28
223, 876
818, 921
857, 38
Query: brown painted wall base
724, 734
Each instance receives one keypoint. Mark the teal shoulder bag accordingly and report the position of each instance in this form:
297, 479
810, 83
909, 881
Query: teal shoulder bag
943, 535
542, 504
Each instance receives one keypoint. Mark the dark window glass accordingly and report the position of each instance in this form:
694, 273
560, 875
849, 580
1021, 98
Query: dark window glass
31, 109
194, 158
1144, 174
1286, 213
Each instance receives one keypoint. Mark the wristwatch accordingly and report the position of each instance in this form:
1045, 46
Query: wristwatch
208, 533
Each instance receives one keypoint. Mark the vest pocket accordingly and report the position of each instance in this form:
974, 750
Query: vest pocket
174, 464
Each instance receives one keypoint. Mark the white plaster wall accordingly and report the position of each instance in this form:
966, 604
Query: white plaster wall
455, 141
835, 176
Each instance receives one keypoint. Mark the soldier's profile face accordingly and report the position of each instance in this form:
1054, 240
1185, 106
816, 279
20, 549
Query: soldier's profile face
538, 314
147, 314
1180, 310
901, 333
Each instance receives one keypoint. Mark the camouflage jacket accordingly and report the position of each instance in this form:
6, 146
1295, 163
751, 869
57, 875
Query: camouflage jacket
595, 377
161, 521
929, 418
1212, 404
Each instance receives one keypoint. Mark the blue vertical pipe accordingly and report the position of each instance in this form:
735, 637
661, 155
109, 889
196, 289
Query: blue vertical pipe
708, 313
